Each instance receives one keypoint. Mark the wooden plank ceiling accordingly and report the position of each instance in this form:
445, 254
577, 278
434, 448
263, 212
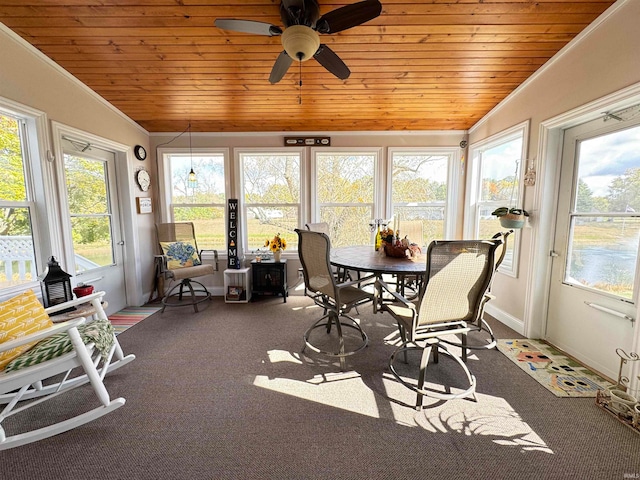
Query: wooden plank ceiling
425, 65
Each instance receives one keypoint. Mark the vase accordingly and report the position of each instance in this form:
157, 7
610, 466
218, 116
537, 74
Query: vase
277, 255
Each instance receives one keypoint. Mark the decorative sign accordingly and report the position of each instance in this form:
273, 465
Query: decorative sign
144, 205
307, 141
232, 234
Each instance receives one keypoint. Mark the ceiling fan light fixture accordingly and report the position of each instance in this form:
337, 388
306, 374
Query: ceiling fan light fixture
300, 42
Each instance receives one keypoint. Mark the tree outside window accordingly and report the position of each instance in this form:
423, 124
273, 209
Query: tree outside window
17, 258
203, 203
496, 171
345, 184
271, 196
419, 195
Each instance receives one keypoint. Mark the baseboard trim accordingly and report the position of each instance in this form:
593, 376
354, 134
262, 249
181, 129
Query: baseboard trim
503, 317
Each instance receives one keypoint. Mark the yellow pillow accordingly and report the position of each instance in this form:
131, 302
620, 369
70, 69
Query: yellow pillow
180, 254
20, 316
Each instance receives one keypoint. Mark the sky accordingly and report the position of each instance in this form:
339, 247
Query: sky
608, 156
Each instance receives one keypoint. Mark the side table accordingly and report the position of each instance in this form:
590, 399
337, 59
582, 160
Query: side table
270, 277
237, 285
84, 310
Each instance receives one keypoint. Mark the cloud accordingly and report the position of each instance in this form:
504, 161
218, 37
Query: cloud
610, 155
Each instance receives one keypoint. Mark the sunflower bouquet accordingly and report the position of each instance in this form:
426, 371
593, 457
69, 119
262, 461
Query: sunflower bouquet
277, 243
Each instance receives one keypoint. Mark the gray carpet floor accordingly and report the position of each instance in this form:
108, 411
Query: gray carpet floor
226, 394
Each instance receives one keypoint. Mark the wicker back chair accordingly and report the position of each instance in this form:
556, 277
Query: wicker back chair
337, 299
457, 277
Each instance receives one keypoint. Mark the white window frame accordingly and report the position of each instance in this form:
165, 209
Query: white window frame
164, 172
378, 208
453, 182
40, 188
302, 205
474, 186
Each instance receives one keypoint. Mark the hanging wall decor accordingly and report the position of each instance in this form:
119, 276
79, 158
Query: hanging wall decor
232, 234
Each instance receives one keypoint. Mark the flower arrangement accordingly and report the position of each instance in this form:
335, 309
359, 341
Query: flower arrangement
387, 235
276, 244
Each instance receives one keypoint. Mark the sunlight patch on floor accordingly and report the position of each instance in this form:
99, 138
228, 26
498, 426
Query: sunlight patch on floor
349, 394
277, 356
490, 416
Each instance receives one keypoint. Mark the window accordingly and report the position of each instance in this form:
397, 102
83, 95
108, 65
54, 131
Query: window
89, 211
496, 167
345, 194
271, 196
202, 202
421, 190
17, 249
604, 221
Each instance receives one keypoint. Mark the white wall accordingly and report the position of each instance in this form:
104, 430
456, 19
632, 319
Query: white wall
602, 60
31, 79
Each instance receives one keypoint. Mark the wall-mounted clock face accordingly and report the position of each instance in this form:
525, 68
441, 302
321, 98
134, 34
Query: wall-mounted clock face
143, 179
140, 152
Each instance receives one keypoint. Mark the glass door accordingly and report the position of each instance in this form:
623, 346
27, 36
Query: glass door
93, 221
594, 284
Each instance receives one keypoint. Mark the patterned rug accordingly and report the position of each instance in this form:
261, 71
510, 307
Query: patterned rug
556, 372
128, 317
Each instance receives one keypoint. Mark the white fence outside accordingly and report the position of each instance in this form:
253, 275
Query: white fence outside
17, 260
17, 257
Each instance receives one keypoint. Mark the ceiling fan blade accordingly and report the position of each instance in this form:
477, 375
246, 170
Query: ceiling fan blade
348, 16
329, 60
283, 62
248, 26
299, 12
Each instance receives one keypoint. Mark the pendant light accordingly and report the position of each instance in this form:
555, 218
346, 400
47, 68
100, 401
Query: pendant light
192, 180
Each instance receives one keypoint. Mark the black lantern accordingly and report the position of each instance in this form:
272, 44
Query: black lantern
56, 286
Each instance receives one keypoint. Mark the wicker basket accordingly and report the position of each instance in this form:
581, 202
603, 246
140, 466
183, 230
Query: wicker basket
393, 251
511, 220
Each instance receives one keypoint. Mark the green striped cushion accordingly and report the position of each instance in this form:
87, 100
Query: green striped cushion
100, 332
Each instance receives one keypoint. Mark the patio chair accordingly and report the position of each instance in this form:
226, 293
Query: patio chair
475, 340
182, 261
337, 299
457, 276
323, 227
38, 363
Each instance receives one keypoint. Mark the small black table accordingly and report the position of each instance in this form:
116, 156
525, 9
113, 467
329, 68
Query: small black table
269, 276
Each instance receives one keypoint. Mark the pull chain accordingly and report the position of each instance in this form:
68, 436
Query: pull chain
300, 81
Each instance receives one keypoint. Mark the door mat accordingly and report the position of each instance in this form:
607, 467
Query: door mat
558, 373
128, 317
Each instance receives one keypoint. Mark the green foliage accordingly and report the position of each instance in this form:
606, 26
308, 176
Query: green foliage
87, 195
502, 211
13, 220
624, 192
584, 201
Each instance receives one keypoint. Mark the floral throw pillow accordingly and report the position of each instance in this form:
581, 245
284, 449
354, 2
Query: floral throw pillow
180, 254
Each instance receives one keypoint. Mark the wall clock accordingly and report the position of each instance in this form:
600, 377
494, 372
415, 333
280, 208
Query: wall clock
140, 152
143, 179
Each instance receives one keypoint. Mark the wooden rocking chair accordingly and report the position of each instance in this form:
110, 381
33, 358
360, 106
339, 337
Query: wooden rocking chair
32, 383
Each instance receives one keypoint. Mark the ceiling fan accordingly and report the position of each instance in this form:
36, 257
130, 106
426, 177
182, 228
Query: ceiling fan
300, 37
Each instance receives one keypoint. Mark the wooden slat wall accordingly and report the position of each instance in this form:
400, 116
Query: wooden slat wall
429, 65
